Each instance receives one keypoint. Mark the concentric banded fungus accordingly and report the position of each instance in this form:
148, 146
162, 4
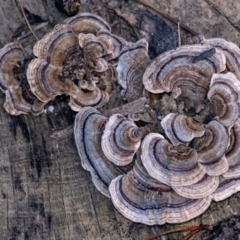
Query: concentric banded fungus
81, 72
224, 96
80, 98
174, 166
229, 49
88, 129
143, 199
120, 140
181, 129
173, 68
15, 103
203, 188
174, 179
130, 68
11, 58
87, 23
233, 153
226, 188
119, 44
56, 46
95, 47
44, 80
211, 148
45, 83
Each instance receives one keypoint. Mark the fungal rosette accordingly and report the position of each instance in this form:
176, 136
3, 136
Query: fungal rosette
77, 75
85, 52
190, 154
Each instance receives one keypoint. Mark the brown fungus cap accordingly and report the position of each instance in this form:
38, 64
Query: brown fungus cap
56, 45
211, 148
224, 97
80, 98
87, 23
233, 153
174, 67
10, 56
181, 129
120, 140
229, 49
95, 47
88, 130
44, 80
15, 104
174, 166
11, 64
130, 68
141, 198
119, 45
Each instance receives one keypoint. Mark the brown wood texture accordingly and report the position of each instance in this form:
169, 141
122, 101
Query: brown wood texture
45, 193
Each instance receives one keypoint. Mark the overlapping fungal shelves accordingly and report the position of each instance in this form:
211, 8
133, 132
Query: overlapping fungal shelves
77, 58
163, 163
189, 155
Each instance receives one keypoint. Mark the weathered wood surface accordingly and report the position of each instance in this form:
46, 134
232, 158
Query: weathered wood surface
45, 193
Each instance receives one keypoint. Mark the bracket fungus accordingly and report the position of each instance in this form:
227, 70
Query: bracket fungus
61, 55
141, 198
181, 129
13, 83
229, 49
224, 97
189, 156
120, 140
88, 129
161, 165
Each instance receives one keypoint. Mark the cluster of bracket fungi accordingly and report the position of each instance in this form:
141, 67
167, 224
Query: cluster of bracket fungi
164, 163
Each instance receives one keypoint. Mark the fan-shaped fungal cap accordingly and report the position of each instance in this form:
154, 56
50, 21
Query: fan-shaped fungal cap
229, 49
15, 104
130, 68
203, 188
119, 44
80, 98
10, 55
56, 46
95, 47
120, 140
226, 188
88, 129
181, 129
224, 96
233, 153
174, 166
211, 148
143, 199
87, 23
44, 81
175, 67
